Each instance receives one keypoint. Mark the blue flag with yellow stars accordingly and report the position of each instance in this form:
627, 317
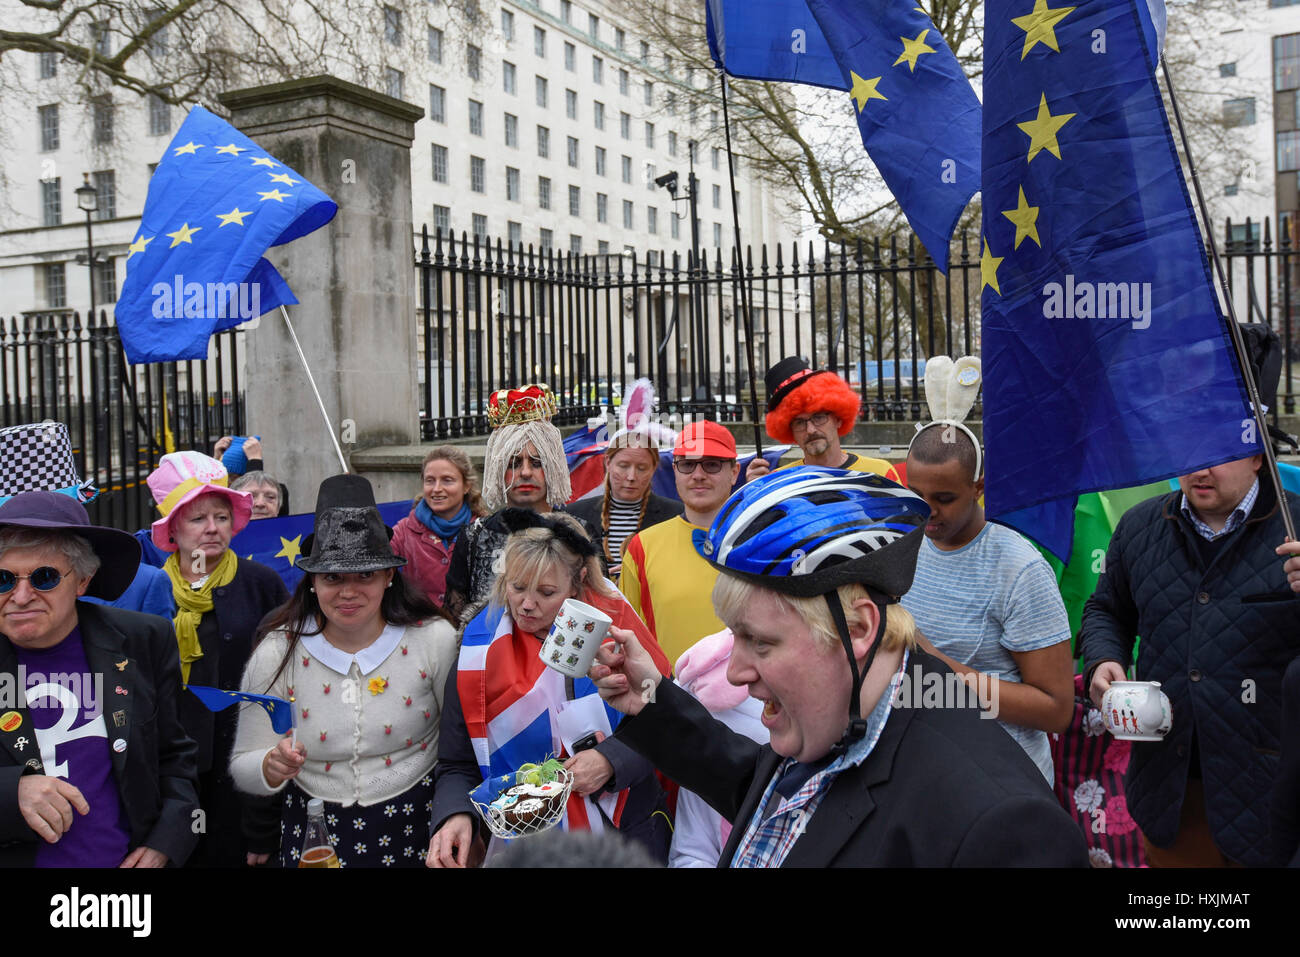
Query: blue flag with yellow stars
918, 115
214, 699
1107, 363
216, 203
772, 40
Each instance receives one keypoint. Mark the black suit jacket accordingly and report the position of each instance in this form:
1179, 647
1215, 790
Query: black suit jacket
155, 774
942, 787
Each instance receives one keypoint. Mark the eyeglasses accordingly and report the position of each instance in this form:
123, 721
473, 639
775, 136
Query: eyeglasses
819, 419
711, 466
45, 578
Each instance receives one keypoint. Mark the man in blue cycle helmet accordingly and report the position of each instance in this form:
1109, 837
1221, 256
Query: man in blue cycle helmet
812, 562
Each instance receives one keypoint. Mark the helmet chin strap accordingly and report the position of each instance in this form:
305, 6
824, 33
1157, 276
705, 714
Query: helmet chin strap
857, 728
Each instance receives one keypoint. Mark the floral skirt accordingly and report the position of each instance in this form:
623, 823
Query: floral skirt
392, 833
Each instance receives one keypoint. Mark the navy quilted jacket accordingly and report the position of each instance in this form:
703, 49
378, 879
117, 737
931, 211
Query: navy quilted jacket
1218, 639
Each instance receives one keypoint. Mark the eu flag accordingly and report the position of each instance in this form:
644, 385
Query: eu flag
216, 203
774, 40
214, 699
1107, 363
918, 115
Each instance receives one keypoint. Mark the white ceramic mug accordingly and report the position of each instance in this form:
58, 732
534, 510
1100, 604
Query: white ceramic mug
571, 646
1137, 711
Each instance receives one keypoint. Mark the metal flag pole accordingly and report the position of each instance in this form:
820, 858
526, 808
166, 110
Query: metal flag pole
329, 426
1247, 370
740, 269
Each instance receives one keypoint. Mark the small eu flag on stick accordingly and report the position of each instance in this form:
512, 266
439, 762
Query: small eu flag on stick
214, 699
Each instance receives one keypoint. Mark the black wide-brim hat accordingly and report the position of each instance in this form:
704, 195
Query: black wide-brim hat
118, 551
350, 540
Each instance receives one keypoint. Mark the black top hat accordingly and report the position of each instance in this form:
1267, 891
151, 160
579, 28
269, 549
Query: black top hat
119, 552
349, 539
786, 376
342, 491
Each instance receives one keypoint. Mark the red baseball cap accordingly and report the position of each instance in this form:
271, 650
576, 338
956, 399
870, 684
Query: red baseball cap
704, 438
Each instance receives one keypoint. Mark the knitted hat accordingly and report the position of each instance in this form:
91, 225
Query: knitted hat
796, 389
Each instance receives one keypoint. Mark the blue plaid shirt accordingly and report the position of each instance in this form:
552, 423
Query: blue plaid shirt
1234, 520
772, 831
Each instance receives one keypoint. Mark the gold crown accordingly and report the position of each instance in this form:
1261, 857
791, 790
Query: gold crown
532, 403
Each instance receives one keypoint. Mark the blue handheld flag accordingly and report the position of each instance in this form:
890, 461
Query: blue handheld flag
214, 699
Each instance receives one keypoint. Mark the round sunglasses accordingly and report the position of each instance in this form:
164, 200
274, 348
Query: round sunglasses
45, 578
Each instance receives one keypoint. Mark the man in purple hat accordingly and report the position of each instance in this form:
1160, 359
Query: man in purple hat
95, 768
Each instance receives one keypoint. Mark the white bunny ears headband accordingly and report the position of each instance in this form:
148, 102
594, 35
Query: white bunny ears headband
950, 391
636, 417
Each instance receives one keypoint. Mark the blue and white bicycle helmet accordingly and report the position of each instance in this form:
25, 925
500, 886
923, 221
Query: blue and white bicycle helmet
809, 530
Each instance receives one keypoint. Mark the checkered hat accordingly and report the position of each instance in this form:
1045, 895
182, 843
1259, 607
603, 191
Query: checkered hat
37, 457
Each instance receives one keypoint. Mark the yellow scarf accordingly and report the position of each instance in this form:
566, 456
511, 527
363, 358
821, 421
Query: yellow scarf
192, 604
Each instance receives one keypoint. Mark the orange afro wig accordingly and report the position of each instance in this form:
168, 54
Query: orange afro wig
823, 392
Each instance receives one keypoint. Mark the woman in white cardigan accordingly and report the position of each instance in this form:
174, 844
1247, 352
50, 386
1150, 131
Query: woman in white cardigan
364, 659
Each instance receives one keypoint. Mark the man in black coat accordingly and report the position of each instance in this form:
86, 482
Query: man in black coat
922, 780
104, 776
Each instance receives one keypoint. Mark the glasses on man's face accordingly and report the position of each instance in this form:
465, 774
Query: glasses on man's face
800, 424
711, 466
45, 578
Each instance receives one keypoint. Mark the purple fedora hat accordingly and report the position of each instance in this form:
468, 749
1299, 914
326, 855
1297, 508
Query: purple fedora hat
119, 552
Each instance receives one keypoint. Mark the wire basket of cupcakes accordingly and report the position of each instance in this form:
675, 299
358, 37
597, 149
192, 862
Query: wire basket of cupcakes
529, 801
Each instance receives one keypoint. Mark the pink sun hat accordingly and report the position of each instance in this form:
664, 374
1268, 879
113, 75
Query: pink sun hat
179, 479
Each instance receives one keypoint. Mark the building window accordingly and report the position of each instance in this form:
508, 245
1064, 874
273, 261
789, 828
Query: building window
713, 119
593, 26
650, 135
571, 104
508, 77
648, 175
598, 114
540, 86
649, 88
105, 182
1228, 69
477, 174
627, 169
1286, 62
515, 234
512, 185
652, 219
394, 83
103, 39
544, 192
49, 123
674, 226
439, 163
623, 82
442, 219
600, 161
543, 142
435, 45
48, 65
1288, 151
507, 26
512, 130
479, 225
546, 240
717, 197
52, 201
625, 125
106, 281
645, 52
575, 244
393, 26
597, 70
437, 104
539, 41
575, 201
602, 208
102, 111
570, 57
620, 40
56, 286
628, 215
566, 11
573, 151
672, 142
602, 248
1240, 112
160, 116
717, 234
475, 118
714, 157
1230, 189
671, 99
474, 62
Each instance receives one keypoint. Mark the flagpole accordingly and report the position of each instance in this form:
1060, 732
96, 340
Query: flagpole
1247, 370
329, 426
740, 269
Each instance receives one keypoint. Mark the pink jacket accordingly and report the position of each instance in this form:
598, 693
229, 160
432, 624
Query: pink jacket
427, 558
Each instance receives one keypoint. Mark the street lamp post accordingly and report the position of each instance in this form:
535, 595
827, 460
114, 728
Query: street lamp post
88, 201
669, 182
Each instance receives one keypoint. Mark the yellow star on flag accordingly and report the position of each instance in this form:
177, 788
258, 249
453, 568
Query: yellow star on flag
989, 269
1040, 26
1025, 218
138, 246
291, 548
284, 178
235, 216
912, 49
265, 161
864, 90
1043, 128
230, 149
191, 147
274, 194
183, 235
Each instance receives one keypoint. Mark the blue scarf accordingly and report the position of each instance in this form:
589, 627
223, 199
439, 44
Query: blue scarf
443, 528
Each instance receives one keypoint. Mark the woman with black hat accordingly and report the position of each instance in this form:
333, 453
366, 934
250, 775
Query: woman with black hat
363, 658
